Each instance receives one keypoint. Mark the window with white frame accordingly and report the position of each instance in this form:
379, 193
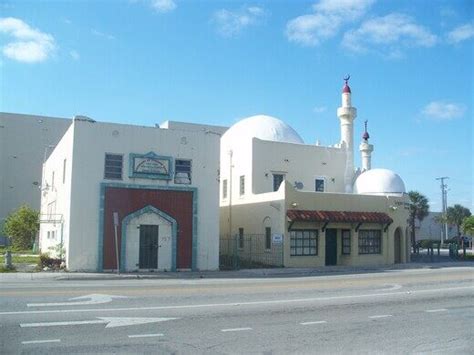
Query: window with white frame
242, 185
346, 242
303, 242
277, 180
113, 166
182, 171
319, 184
224, 188
370, 241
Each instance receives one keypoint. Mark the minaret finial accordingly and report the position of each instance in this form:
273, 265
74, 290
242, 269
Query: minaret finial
365, 136
346, 78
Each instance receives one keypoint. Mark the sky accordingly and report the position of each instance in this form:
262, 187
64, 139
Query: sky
215, 62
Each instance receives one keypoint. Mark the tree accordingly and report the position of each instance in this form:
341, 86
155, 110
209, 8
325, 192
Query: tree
468, 225
21, 227
419, 209
456, 214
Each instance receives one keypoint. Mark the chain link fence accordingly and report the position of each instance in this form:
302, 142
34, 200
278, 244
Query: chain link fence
249, 251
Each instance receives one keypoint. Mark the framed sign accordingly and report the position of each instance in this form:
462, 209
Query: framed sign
277, 238
150, 166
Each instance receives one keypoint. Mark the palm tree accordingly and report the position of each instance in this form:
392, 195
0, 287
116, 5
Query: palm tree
456, 214
419, 209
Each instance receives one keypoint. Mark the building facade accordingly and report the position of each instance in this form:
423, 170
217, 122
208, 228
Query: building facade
308, 202
136, 198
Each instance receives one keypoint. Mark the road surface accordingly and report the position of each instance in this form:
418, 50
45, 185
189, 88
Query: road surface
399, 311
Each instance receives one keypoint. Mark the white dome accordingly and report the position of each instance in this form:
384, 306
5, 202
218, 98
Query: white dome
379, 182
262, 127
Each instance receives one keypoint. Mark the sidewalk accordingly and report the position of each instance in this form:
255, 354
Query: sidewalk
234, 274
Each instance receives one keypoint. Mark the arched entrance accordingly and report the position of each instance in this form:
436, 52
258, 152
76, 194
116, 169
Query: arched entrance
148, 240
397, 246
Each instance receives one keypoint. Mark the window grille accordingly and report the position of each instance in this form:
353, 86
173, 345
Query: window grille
346, 242
303, 242
370, 241
113, 166
268, 238
224, 188
182, 171
242, 185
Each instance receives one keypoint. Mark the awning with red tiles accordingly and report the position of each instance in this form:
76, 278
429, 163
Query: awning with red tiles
327, 217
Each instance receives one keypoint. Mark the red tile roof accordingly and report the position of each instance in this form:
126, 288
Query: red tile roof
338, 216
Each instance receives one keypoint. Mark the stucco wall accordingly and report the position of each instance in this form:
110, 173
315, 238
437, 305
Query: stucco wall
93, 140
299, 163
56, 197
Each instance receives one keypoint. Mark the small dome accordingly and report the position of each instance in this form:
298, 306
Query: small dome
379, 182
346, 89
365, 136
262, 127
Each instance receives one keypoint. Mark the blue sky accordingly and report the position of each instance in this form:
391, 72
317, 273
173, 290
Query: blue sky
147, 61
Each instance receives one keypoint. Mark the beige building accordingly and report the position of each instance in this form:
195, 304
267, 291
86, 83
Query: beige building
325, 212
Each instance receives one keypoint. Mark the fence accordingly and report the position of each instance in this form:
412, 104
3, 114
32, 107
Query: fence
249, 251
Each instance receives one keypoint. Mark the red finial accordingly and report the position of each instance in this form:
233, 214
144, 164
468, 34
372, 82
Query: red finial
346, 88
365, 136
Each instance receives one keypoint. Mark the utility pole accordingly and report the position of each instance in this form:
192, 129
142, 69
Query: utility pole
444, 201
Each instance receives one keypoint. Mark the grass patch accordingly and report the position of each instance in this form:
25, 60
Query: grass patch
5, 269
3, 249
16, 259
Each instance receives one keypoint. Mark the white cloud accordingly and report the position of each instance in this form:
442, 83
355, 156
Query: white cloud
326, 21
102, 34
231, 23
390, 34
163, 6
27, 44
74, 55
319, 109
443, 111
461, 33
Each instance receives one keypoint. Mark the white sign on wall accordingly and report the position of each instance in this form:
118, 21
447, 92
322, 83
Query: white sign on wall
277, 238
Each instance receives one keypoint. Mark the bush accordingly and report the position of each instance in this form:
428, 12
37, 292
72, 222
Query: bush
46, 261
21, 227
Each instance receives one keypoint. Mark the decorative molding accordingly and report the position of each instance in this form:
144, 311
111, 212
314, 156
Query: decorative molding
150, 166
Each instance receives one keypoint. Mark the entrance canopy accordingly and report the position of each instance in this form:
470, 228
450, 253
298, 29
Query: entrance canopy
337, 217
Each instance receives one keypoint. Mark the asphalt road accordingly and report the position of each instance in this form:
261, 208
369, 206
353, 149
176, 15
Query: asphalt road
402, 311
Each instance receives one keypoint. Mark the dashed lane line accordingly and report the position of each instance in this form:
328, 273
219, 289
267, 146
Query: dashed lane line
41, 341
145, 335
380, 316
436, 310
315, 322
235, 330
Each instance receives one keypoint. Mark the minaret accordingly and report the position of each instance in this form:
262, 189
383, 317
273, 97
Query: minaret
347, 114
366, 150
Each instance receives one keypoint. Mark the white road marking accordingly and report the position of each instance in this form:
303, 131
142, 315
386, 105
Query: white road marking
235, 329
436, 310
145, 335
111, 322
90, 299
315, 322
381, 316
252, 303
41, 341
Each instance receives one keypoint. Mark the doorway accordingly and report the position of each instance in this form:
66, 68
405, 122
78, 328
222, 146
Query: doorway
331, 247
148, 254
